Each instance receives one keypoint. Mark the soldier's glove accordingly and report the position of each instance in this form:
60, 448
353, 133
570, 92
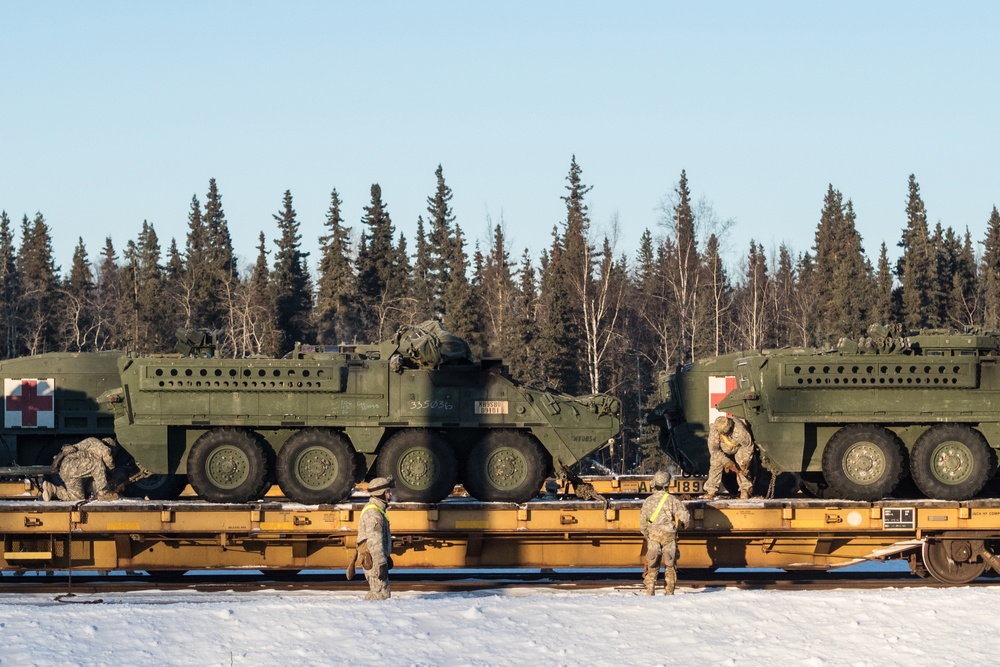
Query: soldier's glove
366, 556
730, 466
383, 570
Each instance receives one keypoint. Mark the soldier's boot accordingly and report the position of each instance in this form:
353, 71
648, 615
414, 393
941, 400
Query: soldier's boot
670, 580
48, 490
650, 581
745, 495
107, 495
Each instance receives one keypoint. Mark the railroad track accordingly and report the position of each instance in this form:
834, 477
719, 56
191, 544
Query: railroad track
65, 587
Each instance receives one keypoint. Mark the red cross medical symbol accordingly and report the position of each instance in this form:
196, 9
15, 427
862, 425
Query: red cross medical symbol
718, 387
29, 403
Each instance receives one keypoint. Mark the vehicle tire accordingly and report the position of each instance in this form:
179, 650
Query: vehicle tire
316, 466
157, 487
953, 561
951, 462
863, 462
506, 466
228, 465
422, 464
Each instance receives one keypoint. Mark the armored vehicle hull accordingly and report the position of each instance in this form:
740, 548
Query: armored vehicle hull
51, 400
862, 417
320, 420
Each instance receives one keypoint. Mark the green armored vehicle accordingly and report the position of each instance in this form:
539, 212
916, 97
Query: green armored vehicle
51, 400
861, 417
416, 407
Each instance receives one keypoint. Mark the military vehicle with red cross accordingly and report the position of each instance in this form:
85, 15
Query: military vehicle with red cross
855, 420
51, 400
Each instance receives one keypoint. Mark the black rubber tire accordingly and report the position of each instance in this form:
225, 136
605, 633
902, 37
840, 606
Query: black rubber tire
506, 466
421, 463
316, 466
157, 487
863, 462
233, 453
951, 462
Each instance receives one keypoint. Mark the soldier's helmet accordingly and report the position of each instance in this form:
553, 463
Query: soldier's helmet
380, 485
661, 479
723, 425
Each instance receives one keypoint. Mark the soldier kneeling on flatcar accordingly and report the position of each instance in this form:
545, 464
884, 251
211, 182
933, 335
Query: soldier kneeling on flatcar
91, 459
661, 516
730, 448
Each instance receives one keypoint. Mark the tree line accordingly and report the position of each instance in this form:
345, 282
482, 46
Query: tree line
582, 317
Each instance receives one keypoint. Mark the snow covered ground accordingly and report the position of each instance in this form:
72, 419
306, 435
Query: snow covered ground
521, 626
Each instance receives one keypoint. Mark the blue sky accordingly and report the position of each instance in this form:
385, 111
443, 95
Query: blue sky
115, 113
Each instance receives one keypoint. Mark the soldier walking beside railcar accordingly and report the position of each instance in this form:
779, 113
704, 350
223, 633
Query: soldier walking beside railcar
90, 458
375, 539
661, 515
729, 446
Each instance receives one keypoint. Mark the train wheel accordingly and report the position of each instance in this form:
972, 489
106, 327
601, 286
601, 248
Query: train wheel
506, 466
863, 462
951, 462
228, 465
953, 561
157, 487
422, 464
316, 466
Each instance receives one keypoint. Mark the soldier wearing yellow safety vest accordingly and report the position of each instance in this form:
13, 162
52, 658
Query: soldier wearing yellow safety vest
375, 540
661, 515
730, 447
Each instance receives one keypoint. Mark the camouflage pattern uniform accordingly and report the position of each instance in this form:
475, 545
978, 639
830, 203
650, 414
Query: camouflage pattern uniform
661, 515
90, 458
729, 440
375, 540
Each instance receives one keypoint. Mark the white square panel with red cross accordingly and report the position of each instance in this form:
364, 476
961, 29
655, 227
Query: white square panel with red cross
718, 387
29, 403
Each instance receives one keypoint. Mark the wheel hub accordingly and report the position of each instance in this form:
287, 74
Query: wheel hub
227, 467
418, 468
864, 463
951, 462
316, 468
506, 468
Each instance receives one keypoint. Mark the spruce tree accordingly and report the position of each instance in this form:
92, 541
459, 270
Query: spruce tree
990, 272
917, 267
498, 302
39, 281
422, 276
107, 296
882, 304
335, 314
378, 265
77, 317
460, 311
290, 282
441, 259
10, 290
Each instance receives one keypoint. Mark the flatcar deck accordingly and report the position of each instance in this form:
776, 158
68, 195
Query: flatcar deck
949, 540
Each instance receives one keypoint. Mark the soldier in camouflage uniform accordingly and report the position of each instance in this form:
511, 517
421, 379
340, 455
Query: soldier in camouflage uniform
75, 464
661, 515
729, 445
375, 540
